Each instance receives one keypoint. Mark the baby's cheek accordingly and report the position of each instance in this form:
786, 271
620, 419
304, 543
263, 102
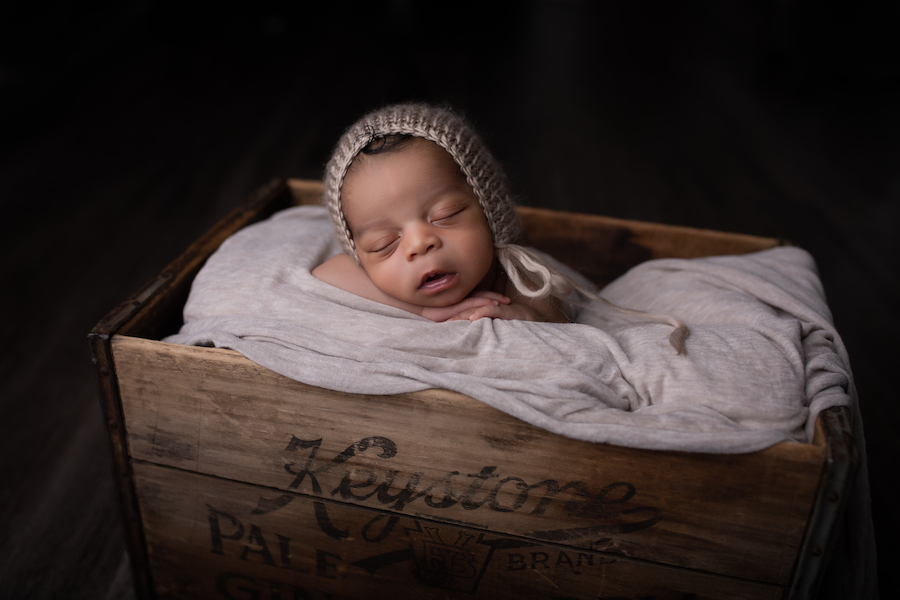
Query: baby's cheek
391, 281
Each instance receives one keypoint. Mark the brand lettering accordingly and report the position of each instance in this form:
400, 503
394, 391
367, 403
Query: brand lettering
609, 510
535, 560
253, 545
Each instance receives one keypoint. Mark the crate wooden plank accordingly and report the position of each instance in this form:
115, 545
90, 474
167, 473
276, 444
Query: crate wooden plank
207, 540
306, 191
446, 457
603, 248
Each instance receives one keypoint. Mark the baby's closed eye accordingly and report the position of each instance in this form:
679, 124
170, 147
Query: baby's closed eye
446, 214
382, 244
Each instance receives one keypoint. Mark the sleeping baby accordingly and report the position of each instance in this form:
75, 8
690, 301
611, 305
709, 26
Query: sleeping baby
427, 224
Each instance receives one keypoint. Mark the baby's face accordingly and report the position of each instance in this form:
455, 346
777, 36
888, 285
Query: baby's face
419, 231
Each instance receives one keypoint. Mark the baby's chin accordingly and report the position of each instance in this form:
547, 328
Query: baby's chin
436, 301
443, 302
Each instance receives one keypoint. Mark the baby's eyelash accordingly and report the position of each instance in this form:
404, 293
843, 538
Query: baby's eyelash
382, 245
446, 214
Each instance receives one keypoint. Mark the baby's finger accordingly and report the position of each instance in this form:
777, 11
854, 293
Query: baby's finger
492, 295
475, 302
463, 315
493, 312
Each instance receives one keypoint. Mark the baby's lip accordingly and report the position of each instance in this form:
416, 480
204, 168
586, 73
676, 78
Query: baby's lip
432, 275
436, 281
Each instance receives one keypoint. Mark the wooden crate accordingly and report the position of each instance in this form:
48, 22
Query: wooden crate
237, 482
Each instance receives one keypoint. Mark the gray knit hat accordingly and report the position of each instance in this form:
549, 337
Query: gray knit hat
448, 130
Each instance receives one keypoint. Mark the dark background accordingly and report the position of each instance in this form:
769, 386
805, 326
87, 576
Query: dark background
128, 128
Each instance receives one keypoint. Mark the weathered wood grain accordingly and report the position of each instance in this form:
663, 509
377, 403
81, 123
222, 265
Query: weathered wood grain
447, 457
603, 248
305, 191
207, 539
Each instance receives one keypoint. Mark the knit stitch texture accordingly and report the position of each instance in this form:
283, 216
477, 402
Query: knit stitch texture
451, 132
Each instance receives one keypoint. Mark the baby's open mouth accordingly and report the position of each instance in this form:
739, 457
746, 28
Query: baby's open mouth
436, 281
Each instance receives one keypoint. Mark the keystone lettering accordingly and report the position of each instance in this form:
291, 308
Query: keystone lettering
609, 510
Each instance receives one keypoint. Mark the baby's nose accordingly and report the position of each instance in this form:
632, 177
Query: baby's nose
420, 241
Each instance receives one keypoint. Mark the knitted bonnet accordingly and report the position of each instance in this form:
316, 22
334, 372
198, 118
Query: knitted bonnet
483, 173
449, 131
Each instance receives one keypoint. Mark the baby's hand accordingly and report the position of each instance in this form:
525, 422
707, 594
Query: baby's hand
518, 312
481, 299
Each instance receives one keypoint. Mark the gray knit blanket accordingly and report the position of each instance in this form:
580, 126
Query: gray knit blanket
763, 358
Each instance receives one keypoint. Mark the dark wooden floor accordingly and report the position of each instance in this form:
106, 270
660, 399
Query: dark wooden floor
126, 130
